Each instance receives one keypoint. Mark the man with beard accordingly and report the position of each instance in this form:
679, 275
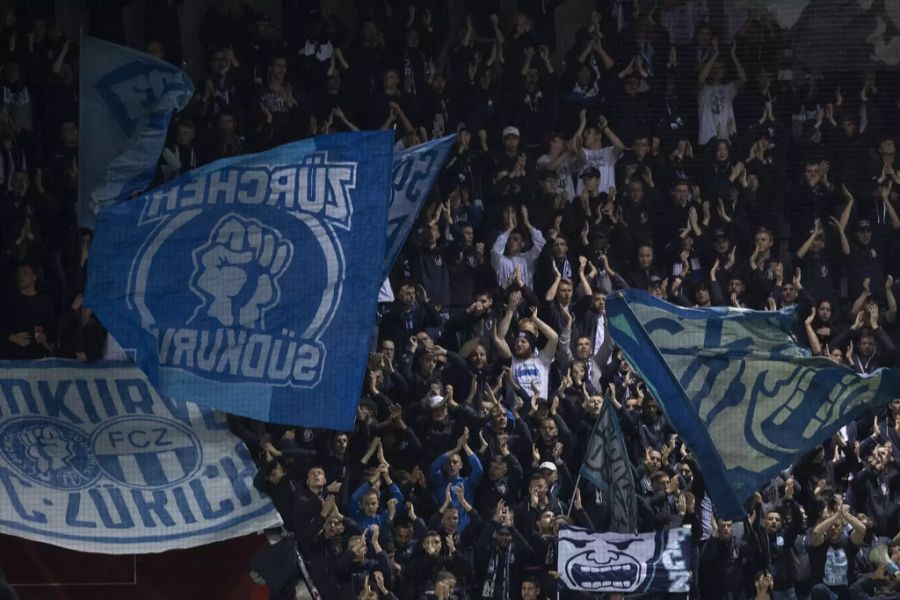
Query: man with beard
832, 553
774, 530
528, 364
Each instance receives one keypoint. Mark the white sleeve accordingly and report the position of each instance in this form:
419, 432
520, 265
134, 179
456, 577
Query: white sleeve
497, 250
539, 241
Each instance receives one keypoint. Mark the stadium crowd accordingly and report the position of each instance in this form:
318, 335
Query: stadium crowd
651, 153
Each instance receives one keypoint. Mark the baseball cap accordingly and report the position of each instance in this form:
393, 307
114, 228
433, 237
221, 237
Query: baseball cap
435, 401
511, 131
655, 280
547, 465
864, 224
547, 174
590, 172
721, 232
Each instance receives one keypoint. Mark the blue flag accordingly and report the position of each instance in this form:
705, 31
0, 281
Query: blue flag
250, 284
414, 173
127, 98
747, 400
93, 459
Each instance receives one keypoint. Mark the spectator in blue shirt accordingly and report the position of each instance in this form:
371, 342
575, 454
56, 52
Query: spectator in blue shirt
446, 470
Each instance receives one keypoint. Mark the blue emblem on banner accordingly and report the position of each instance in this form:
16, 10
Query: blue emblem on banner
49, 452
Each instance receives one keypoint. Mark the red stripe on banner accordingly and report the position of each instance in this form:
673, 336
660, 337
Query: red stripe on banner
44, 572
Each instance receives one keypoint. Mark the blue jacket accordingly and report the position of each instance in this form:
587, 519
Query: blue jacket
381, 519
440, 480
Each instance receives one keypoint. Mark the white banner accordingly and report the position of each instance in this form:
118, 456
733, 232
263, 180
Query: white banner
93, 459
625, 563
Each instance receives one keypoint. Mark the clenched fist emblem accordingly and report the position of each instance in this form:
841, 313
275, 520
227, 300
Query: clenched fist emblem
238, 269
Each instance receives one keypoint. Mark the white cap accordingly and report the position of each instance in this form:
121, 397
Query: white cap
511, 131
547, 465
435, 401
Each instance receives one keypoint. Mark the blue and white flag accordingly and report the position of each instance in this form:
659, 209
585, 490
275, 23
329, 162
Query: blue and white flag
625, 563
126, 100
746, 399
250, 284
414, 173
93, 459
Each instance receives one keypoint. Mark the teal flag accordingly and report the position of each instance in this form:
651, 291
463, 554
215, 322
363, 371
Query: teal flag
606, 466
747, 400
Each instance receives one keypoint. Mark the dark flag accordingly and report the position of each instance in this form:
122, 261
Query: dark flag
606, 466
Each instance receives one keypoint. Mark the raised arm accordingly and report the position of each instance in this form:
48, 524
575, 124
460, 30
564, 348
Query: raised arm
842, 235
816, 231
557, 277
616, 142
547, 331
708, 65
814, 345
738, 67
891, 315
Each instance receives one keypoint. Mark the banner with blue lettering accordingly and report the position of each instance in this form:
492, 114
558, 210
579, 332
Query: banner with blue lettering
126, 100
746, 399
414, 173
93, 459
250, 284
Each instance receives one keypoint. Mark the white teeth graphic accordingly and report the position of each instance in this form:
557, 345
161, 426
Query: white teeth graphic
620, 571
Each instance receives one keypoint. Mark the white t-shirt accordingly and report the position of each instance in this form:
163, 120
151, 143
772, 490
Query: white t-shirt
715, 110
681, 21
533, 369
604, 160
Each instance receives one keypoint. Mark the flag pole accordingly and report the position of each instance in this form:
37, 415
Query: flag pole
572, 500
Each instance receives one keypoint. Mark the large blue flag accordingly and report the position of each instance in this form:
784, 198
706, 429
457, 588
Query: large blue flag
93, 459
127, 98
747, 400
250, 284
414, 173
